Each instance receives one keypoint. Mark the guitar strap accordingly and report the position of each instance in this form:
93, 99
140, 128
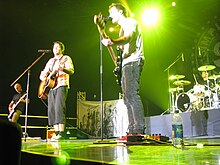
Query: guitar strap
51, 69
55, 60
121, 32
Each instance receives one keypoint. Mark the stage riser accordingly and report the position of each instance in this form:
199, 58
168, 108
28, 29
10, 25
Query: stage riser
195, 123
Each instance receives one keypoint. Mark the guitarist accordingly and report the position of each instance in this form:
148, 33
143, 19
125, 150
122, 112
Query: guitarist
130, 39
17, 105
58, 69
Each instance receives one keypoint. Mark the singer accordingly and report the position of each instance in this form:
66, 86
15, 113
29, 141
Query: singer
57, 72
131, 43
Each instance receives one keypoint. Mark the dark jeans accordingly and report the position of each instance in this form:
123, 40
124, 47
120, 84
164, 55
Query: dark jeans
131, 73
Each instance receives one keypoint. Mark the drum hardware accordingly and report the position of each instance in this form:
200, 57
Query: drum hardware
216, 103
199, 99
199, 90
171, 109
172, 99
174, 91
178, 89
196, 101
203, 94
209, 92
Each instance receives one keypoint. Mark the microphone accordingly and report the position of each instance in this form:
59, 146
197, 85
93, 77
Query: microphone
44, 51
107, 18
182, 57
199, 51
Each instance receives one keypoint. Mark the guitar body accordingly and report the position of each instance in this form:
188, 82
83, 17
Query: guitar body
15, 105
45, 87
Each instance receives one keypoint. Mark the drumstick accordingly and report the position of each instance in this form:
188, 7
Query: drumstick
195, 79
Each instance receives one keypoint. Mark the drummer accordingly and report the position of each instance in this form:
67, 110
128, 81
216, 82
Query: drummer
199, 87
205, 75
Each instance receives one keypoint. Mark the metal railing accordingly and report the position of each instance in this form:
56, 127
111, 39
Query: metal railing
42, 117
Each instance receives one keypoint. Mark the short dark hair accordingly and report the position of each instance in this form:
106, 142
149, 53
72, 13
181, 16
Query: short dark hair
18, 84
61, 45
119, 6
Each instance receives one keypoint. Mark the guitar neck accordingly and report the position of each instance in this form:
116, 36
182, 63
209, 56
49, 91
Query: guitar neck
110, 49
112, 54
15, 105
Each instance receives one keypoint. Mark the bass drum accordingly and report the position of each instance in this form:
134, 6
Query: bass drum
183, 102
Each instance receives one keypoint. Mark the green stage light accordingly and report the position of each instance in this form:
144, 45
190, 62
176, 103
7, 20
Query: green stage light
173, 3
150, 17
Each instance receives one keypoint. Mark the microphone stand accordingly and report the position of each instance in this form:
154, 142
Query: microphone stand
101, 99
171, 96
101, 89
25, 134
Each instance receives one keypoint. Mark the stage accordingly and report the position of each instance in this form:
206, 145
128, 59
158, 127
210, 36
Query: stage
197, 151
201, 140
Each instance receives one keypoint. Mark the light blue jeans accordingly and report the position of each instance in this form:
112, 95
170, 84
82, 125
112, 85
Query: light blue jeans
131, 73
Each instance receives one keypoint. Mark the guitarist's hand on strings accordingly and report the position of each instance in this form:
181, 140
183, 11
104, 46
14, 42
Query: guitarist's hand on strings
10, 108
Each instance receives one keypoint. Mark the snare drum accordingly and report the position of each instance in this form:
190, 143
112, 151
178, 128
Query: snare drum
183, 102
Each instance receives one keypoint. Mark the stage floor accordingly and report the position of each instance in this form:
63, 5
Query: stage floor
198, 150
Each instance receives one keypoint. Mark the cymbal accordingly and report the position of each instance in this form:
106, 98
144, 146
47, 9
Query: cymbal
214, 76
174, 77
206, 67
181, 82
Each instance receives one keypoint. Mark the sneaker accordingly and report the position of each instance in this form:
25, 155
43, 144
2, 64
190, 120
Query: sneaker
124, 138
53, 138
139, 134
59, 137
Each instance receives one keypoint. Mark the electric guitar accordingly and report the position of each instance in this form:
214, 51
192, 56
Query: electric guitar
118, 69
15, 105
46, 85
100, 22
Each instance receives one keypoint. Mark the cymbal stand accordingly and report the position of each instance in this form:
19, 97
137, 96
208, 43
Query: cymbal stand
171, 106
25, 134
172, 102
215, 97
209, 91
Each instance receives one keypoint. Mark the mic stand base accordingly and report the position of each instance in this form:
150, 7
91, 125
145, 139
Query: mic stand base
105, 142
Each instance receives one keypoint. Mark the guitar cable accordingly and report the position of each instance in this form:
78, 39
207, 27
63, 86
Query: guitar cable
44, 102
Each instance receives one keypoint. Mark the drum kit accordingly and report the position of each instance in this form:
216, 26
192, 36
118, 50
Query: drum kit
200, 97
